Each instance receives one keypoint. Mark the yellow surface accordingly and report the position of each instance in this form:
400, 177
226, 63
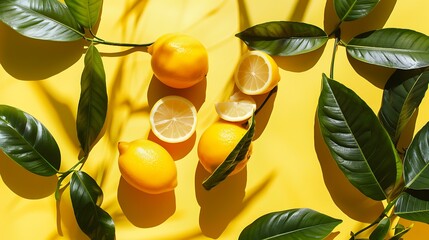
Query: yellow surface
290, 166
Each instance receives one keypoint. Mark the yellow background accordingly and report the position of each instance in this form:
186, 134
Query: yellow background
290, 166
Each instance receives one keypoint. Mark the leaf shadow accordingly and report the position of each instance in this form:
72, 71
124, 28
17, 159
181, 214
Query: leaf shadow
142, 209
24, 183
30, 59
347, 198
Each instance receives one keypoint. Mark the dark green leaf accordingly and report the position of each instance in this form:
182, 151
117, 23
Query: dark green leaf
357, 141
349, 10
41, 19
92, 107
26, 141
416, 161
412, 208
402, 95
284, 38
302, 223
238, 154
392, 48
85, 12
380, 232
86, 198
400, 231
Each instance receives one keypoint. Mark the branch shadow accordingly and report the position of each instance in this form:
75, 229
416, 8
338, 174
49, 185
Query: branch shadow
347, 198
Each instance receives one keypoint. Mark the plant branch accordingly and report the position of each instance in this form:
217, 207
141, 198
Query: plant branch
274, 90
334, 51
96, 39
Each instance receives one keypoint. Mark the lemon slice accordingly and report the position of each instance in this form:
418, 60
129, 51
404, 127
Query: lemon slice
173, 119
257, 73
240, 107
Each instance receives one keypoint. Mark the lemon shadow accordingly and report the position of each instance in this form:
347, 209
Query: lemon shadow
221, 204
145, 210
176, 150
347, 198
24, 183
31, 59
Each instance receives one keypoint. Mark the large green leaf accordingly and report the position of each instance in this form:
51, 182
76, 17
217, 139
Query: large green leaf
302, 223
416, 161
284, 38
92, 107
238, 154
26, 141
357, 141
41, 19
86, 198
392, 48
86, 12
412, 208
380, 232
402, 95
349, 10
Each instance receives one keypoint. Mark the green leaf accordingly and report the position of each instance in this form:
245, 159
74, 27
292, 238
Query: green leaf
402, 95
357, 141
412, 208
392, 48
86, 197
349, 10
416, 161
380, 232
284, 38
92, 108
27, 142
85, 12
302, 223
41, 19
238, 154
400, 231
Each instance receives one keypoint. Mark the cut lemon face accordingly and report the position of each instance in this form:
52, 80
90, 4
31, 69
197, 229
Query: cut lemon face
240, 107
173, 119
257, 73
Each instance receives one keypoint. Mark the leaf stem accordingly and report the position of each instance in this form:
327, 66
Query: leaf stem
96, 39
274, 90
63, 175
334, 51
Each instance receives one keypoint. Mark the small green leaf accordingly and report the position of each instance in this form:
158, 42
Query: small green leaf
412, 208
402, 95
400, 231
349, 10
92, 108
392, 48
284, 38
41, 19
237, 155
26, 141
380, 232
85, 12
86, 198
416, 161
302, 223
357, 141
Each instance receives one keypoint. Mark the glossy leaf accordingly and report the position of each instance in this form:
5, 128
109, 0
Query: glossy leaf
349, 10
357, 141
92, 108
416, 161
41, 19
392, 48
26, 141
412, 208
86, 197
291, 224
85, 12
402, 95
237, 155
284, 38
380, 232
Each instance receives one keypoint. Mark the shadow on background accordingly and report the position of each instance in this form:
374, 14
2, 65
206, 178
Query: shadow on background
347, 198
142, 209
301, 62
30, 59
24, 183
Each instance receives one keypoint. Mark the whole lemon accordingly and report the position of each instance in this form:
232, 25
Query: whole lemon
178, 60
217, 142
147, 166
